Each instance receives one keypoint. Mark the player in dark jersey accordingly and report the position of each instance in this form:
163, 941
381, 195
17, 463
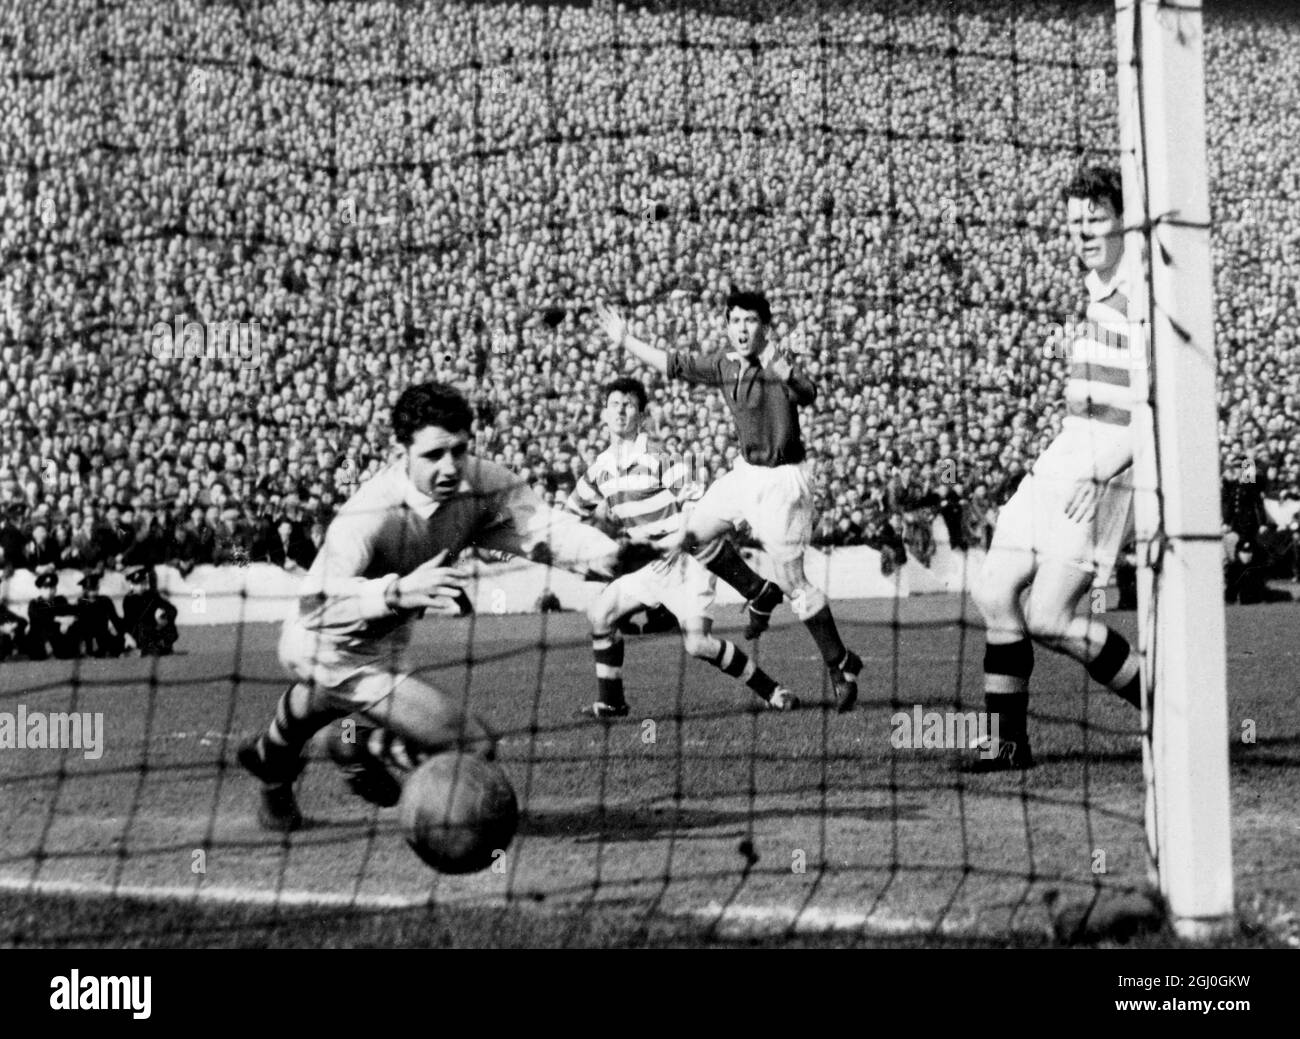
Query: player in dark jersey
770, 487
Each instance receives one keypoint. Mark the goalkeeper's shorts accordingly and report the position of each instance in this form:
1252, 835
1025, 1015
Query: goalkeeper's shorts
348, 679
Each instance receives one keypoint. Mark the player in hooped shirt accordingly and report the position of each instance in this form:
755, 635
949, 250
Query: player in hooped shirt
1061, 531
643, 493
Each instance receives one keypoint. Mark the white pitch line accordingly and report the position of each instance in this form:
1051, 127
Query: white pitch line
761, 920
741, 920
214, 894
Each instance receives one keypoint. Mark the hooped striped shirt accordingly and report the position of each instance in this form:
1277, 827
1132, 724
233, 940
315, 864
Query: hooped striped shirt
642, 487
1104, 349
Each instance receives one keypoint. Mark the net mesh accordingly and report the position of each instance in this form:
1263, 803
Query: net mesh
381, 194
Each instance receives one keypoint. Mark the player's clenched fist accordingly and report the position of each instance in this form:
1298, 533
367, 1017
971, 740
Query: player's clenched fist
612, 323
430, 586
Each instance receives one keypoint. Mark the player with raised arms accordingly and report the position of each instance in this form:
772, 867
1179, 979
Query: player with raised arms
381, 566
1062, 529
770, 487
643, 493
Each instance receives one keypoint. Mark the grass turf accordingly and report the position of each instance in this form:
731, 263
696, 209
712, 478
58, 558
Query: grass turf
696, 820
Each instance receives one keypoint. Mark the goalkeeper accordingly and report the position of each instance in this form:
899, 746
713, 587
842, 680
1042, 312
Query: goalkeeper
382, 566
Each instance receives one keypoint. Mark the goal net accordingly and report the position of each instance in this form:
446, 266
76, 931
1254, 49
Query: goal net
345, 199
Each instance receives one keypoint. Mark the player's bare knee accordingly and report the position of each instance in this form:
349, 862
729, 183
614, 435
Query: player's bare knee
996, 600
699, 645
598, 616
1046, 626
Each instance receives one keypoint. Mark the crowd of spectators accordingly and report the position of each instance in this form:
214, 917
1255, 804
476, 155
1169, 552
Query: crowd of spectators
385, 194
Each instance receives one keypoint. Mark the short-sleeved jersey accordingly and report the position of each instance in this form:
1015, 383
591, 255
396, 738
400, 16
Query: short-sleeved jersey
641, 486
765, 407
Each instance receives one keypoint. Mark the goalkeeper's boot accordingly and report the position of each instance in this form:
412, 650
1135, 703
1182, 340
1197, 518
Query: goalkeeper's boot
782, 700
365, 774
760, 609
278, 807
604, 712
844, 680
994, 754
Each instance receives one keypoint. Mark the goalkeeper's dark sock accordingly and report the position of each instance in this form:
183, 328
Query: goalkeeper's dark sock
1118, 667
1007, 669
732, 660
295, 723
721, 558
607, 648
821, 626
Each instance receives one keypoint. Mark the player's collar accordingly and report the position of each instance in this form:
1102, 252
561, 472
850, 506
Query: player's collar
636, 446
744, 359
1118, 282
420, 503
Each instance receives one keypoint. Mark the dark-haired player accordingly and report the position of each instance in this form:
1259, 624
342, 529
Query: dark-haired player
1062, 529
643, 492
380, 567
770, 487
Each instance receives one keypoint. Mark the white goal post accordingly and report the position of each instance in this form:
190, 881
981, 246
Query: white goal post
1161, 82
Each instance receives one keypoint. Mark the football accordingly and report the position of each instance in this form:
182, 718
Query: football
458, 811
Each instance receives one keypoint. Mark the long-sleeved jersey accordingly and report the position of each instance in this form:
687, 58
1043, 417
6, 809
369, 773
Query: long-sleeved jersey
388, 529
642, 488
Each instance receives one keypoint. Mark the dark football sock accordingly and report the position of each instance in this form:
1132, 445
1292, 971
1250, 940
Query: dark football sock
608, 651
732, 660
722, 559
821, 626
1007, 669
1118, 667
295, 723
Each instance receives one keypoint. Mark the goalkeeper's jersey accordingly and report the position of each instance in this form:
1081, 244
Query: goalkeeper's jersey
642, 488
389, 528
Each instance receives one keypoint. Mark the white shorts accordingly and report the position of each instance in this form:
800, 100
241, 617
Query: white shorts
349, 680
776, 502
1034, 522
686, 587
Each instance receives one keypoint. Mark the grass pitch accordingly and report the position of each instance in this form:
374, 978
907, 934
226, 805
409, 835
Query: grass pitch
695, 820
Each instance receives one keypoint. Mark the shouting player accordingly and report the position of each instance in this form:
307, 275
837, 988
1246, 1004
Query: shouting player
1062, 529
380, 567
770, 487
643, 493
